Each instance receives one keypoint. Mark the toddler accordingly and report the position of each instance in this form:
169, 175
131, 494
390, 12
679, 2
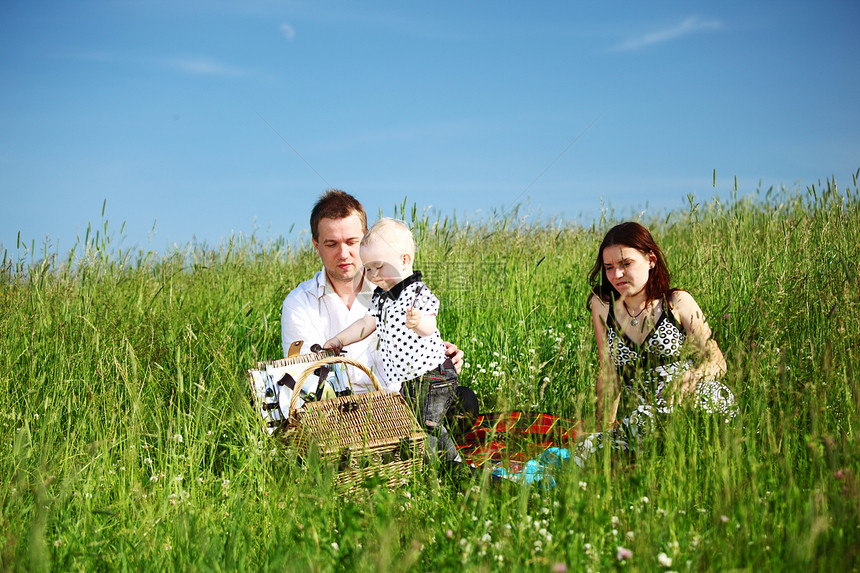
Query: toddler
403, 314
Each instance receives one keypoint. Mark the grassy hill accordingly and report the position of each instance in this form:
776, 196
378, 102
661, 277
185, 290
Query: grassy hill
128, 441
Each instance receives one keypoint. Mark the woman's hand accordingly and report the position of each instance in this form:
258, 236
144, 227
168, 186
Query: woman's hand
608, 387
685, 390
710, 363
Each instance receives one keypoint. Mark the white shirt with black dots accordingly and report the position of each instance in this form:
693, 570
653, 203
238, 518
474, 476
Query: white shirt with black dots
403, 353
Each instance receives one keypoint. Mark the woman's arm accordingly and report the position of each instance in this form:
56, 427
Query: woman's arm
608, 388
358, 330
710, 363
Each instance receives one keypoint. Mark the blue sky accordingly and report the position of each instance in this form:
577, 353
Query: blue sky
164, 109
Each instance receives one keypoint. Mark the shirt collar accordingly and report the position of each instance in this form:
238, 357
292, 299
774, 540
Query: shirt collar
324, 286
395, 291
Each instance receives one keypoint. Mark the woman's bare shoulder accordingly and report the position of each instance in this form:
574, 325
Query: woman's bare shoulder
680, 299
597, 302
598, 306
686, 309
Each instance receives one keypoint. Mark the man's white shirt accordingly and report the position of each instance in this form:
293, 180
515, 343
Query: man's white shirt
314, 313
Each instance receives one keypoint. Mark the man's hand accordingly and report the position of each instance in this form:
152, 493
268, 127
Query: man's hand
455, 354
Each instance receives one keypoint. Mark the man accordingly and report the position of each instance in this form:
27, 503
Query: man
339, 294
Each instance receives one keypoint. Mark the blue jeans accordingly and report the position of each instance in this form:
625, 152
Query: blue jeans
429, 396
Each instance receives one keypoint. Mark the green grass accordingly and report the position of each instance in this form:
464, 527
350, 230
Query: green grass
128, 441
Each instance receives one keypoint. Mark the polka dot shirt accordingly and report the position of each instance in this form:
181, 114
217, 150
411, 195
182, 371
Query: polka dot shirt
405, 355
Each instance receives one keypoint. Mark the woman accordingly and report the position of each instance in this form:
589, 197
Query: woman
654, 345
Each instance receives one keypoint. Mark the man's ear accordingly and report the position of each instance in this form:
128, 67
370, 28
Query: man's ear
316, 245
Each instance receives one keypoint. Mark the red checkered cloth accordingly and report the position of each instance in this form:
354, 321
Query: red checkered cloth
509, 440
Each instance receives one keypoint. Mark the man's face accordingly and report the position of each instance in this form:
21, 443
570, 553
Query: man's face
337, 245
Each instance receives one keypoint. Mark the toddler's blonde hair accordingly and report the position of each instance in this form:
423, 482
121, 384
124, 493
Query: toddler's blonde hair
394, 233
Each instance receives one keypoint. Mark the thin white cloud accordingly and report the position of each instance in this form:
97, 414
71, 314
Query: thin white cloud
690, 26
198, 66
206, 67
288, 31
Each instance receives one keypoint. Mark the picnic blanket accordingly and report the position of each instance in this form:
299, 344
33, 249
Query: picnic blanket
519, 446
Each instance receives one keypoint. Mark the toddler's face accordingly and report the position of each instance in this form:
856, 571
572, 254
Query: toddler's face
384, 266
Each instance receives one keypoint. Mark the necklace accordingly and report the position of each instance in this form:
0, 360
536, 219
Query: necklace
634, 319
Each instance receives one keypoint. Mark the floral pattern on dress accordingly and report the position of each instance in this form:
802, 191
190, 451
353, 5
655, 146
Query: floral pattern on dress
645, 371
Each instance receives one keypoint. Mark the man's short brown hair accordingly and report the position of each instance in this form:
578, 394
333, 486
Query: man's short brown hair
336, 204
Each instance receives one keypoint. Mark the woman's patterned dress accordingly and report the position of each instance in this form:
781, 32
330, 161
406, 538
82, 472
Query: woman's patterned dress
645, 371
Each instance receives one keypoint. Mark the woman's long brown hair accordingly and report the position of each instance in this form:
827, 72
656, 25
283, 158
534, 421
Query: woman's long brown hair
635, 236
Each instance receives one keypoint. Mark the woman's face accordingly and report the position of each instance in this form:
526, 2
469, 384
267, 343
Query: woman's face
627, 268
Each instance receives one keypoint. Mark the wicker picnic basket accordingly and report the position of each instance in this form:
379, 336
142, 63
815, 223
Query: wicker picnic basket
370, 434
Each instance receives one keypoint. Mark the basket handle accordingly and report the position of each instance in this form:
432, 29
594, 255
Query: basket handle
323, 362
